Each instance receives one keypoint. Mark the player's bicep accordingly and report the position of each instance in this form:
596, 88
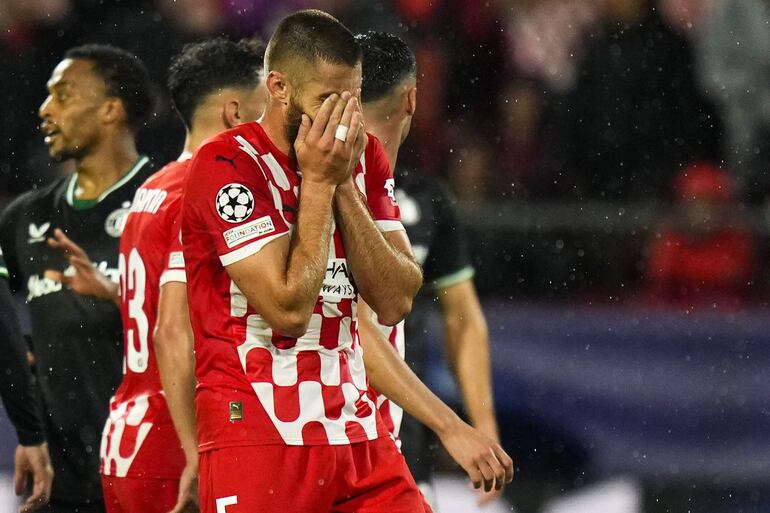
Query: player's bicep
173, 312
261, 276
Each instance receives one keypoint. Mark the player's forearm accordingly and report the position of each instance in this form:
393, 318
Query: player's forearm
386, 278
16, 383
176, 366
308, 251
467, 344
392, 377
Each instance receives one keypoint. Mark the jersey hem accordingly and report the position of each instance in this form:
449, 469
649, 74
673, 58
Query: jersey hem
212, 446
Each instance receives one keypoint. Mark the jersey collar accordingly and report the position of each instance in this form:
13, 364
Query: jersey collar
139, 164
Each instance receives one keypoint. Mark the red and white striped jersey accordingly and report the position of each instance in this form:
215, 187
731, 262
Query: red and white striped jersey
256, 386
139, 439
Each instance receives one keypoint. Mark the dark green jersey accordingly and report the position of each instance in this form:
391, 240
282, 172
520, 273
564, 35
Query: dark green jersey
77, 340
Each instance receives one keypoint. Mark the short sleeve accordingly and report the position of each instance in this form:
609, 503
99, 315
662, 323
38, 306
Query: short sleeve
380, 188
228, 196
448, 261
173, 270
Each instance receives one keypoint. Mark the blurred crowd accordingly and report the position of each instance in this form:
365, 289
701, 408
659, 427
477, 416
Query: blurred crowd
521, 100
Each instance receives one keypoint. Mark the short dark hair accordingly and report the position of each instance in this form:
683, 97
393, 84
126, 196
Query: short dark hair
205, 67
125, 77
387, 60
311, 34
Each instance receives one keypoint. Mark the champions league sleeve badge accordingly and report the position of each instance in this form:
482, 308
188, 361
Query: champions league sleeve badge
234, 203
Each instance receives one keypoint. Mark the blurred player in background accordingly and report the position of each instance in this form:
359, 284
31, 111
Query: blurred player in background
389, 93
274, 226
215, 85
98, 97
32, 463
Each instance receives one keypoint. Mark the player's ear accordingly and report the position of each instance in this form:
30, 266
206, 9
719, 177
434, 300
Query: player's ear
278, 86
112, 111
410, 100
231, 114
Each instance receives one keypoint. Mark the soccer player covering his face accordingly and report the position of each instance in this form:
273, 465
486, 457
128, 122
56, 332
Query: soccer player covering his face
278, 242
214, 85
98, 98
389, 96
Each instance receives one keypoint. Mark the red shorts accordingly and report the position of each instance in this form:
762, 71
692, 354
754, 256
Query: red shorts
366, 477
139, 495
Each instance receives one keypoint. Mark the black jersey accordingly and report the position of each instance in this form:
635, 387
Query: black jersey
438, 243
77, 340
16, 383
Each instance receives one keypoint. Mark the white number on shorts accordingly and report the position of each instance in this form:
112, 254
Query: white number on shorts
132, 285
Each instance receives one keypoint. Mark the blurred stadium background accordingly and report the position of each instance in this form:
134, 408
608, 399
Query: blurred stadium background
610, 160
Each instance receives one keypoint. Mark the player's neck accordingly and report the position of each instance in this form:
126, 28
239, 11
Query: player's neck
273, 124
389, 134
103, 167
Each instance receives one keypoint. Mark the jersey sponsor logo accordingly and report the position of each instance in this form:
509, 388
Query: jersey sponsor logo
248, 231
176, 260
148, 200
337, 282
234, 203
37, 233
116, 221
39, 285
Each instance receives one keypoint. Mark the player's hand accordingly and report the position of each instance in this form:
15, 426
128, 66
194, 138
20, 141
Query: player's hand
33, 471
187, 500
321, 156
87, 280
486, 463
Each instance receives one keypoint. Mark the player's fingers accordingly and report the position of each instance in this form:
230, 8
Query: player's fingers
66, 244
80, 264
19, 480
322, 117
58, 277
477, 479
354, 132
487, 472
497, 468
505, 461
304, 128
335, 118
347, 115
38, 498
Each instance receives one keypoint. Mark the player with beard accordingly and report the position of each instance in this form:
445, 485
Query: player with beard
32, 462
390, 98
284, 223
214, 85
98, 98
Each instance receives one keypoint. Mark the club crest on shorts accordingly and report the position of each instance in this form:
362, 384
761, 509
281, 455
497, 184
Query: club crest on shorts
235, 203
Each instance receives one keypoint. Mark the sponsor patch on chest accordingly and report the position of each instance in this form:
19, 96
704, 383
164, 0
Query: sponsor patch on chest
248, 231
338, 283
